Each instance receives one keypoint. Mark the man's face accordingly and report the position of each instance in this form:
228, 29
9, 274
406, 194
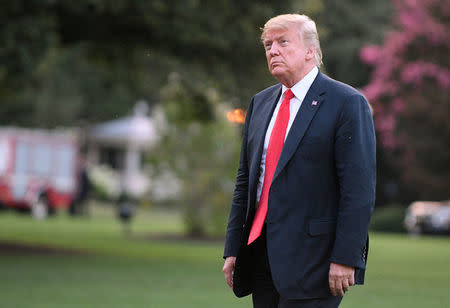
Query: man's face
287, 58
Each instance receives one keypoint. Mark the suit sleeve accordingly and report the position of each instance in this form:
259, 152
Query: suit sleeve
356, 170
239, 203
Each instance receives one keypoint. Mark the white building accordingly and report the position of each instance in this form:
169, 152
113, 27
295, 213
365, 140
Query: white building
120, 144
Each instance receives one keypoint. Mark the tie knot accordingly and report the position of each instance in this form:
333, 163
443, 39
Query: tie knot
288, 94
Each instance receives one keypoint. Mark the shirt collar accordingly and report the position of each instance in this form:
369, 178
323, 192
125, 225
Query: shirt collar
301, 88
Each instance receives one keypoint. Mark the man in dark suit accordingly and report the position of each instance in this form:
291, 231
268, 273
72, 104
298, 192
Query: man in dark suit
297, 233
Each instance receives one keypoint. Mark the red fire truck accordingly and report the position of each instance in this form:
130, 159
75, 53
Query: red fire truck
38, 169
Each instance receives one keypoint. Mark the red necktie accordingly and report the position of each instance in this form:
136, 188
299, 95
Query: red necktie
276, 142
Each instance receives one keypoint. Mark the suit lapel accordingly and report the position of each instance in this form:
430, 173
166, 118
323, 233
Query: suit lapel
311, 103
265, 114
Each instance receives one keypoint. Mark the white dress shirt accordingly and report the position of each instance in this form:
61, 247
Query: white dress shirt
299, 89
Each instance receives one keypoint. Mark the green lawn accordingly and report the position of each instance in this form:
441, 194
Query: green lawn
143, 270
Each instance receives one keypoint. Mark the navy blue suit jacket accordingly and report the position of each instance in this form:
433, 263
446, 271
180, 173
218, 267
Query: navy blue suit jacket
322, 193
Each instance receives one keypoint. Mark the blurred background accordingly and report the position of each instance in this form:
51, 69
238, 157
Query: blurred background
120, 131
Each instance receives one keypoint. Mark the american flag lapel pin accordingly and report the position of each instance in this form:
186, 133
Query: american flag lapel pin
314, 103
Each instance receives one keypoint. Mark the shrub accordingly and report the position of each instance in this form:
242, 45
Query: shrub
388, 219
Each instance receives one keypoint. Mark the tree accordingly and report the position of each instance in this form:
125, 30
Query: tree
86, 61
344, 28
409, 89
112, 53
202, 151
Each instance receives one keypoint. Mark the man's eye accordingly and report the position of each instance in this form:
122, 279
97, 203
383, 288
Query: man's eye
267, 46
284, 42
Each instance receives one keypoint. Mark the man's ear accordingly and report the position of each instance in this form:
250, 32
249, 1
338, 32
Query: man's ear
310, 53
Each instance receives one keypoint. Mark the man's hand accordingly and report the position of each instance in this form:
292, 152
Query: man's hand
228, 269
340, 278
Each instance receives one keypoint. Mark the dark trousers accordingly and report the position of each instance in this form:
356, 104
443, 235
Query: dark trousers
265, 294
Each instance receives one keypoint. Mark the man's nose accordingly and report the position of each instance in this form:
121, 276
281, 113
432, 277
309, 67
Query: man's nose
274, 49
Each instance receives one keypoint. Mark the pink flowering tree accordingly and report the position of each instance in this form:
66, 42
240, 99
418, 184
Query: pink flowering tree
409, 91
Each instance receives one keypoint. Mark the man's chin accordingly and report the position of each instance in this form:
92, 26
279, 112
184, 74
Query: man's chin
277, 72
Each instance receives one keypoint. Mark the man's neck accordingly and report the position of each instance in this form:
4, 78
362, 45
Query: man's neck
290, 83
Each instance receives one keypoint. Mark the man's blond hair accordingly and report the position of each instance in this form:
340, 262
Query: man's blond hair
306, 27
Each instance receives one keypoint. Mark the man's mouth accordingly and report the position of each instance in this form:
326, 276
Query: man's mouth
275, 63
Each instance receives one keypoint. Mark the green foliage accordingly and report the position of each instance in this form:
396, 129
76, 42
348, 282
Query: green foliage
202, 148
27, 33
210, 156
186, 101
389, 218
344, 28
68, 88
69, 62
204, 157
105, 183
106, 55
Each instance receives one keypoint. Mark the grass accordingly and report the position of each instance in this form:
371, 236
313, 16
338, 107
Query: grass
143, 270
111, 282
